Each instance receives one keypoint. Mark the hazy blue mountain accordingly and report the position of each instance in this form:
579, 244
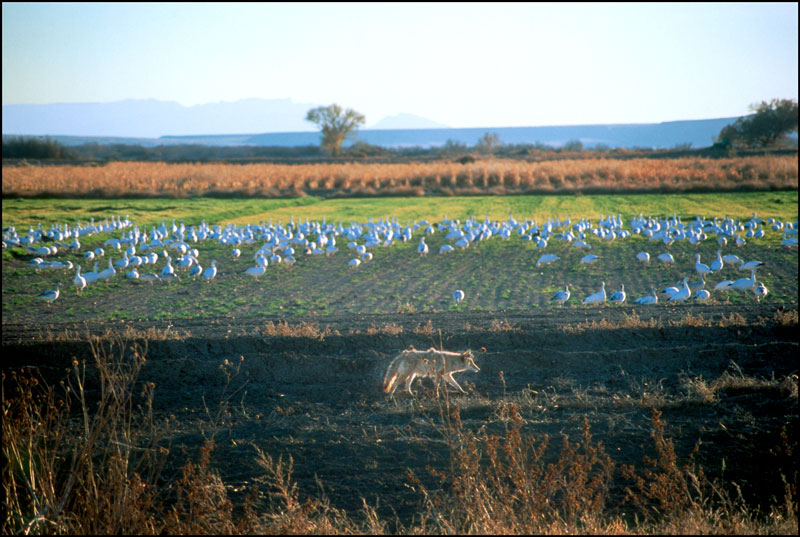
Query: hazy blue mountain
281, 122
407, 121
150, 118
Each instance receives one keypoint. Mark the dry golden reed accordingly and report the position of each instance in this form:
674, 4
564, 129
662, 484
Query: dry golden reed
443, 177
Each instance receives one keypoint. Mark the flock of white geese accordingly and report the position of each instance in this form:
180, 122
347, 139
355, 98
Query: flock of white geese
142, 249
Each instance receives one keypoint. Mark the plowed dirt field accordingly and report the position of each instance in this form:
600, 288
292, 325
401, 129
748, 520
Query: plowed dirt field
312, 389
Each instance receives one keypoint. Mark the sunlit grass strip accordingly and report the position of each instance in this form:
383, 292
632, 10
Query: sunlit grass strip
145, 212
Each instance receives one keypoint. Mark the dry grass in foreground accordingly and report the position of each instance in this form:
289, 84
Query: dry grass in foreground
158, 179
81, 464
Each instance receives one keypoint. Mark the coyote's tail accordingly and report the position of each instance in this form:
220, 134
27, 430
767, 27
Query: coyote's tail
390, 378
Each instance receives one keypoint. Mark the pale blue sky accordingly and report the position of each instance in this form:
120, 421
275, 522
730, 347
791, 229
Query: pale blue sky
464, 65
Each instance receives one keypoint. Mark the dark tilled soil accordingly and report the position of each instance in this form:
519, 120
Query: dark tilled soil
318, 397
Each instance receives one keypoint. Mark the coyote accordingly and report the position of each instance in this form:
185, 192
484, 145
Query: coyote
411, 363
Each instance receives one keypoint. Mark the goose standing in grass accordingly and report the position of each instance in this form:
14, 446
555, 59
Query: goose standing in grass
133, 274
560, 297
588, 259
667, 259
256, 271
701, 268
619, 296
458, 296
697, 285
724, 285
445, 249
422, 248
355, 262
702, 295
236, 253
597, 298
195, 271
683, 293
760, 291
718, 262
172, 277
149, 277
750, 265
91, 277
168, 267
211, 271
51, 295
745, 284
546, 259
648, 299
732, 259
644, 258
80, 282
108, 273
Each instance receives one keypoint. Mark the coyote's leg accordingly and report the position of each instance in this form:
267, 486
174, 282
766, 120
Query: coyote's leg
409, 380
450, 380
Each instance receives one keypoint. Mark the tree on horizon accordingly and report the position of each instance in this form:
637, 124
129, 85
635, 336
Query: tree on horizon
336, 125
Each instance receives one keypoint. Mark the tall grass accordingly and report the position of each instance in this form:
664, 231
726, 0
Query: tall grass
597, 175
86, 457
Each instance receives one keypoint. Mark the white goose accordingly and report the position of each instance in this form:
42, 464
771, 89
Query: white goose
108, 273
643, 257
168, 267
760, 291
458, 296
732, 259
745, 284
667, 259
546, 259
561, 297
619, 296
648, 299
50, 295
91, 277
750, 265
258, 270
724, 285
422, 248
80, 282
597, 298
211, 271
701, 268
702, 295
683, 293
718, 263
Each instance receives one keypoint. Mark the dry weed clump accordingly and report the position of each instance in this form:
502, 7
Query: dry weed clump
786, 318
629, 321
390, 329
76, 463
128, 334
591, 175
303, 329
503, 326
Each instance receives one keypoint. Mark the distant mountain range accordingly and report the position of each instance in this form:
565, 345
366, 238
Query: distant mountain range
149, 118
281, 122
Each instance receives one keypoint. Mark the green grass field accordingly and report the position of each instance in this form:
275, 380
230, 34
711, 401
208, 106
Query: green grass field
496, 275
23, 212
